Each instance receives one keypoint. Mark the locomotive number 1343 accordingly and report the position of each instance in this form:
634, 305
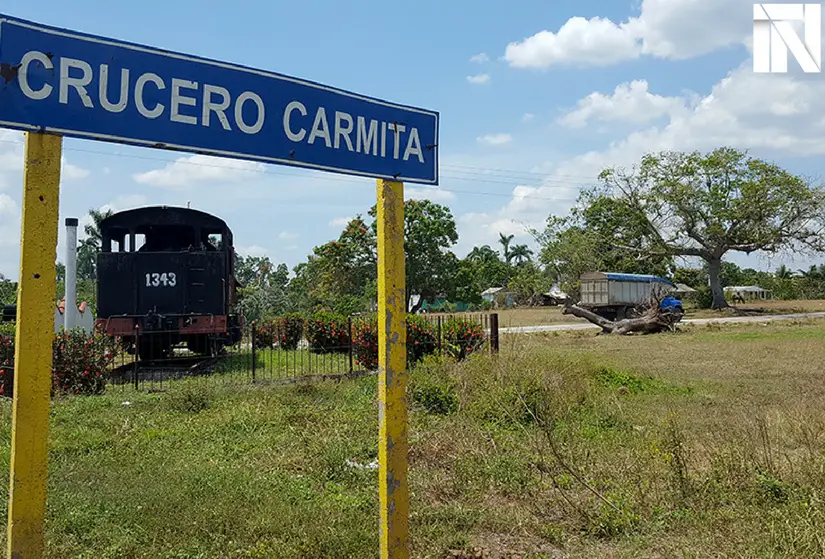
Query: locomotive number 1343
161, 280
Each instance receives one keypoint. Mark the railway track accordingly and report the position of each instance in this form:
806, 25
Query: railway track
165, 369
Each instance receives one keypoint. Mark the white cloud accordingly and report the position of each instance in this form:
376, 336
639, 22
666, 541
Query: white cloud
480, 58
187, 171
254, 250
528, 117
495, 139
479, 79
593, 42
671, 29
771, 115
9, 221
11, 158
630, 102
340, 222
768, 113
433, 194
73, 172
286, 235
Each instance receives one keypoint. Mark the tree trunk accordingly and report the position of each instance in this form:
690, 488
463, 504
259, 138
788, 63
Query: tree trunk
653, 321
714, 274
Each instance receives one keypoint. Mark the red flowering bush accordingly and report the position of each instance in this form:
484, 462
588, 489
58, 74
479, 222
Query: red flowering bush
328, 333
421, 341
365, 343
79, 363
265, 334
462, 336
6, 359
422, 338
289, 330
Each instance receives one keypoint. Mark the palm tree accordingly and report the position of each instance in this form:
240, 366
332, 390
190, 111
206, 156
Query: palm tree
505, 241
483, 254
521, 254
784, 272
89, 247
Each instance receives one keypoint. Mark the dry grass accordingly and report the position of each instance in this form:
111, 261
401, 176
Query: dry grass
539, 316
705, 443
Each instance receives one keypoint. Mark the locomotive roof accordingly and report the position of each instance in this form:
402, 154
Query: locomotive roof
163, 215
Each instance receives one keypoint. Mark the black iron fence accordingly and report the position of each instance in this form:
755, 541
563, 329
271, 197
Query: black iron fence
285, 349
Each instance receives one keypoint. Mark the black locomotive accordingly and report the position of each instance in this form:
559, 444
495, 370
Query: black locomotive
176, 286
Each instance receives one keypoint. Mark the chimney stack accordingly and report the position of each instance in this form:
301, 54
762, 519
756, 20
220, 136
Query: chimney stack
70, 313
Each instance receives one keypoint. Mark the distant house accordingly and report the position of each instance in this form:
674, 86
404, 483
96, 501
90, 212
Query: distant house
748, 292
684, 291
499, 297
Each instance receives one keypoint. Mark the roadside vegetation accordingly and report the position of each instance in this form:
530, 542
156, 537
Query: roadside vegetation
707, 442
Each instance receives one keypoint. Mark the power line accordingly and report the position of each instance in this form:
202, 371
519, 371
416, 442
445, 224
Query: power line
475, 174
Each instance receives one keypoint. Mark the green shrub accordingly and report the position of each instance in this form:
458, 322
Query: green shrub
265, 334
422, 340
437, 399
463, 336
328, 333
79, 362
289, 330
365, 343
703, 297
6, 361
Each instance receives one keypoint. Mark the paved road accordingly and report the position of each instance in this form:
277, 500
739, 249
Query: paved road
697, 321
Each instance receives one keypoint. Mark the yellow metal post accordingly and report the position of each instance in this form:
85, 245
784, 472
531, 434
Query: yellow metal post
392, 383
33, 350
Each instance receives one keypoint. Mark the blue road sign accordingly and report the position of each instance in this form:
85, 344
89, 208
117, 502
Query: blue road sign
79, 85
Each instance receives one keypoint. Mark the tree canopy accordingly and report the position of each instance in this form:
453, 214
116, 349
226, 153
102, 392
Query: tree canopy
699, 205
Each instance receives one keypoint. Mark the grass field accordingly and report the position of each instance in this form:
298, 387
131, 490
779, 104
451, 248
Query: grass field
552, 315
705, 443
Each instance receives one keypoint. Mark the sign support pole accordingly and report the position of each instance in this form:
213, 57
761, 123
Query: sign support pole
33, 348
392, 379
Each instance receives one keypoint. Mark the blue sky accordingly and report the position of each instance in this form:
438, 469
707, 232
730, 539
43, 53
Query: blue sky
562, 89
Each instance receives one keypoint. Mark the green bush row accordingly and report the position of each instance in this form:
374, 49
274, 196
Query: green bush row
332, 333
79, 364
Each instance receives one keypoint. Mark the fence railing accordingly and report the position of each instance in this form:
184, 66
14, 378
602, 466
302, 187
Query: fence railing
276, 351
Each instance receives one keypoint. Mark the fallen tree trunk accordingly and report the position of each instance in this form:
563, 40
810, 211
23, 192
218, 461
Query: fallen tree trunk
654, 321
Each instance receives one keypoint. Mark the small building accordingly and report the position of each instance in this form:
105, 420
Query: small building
684, 291
748, 293
499, 297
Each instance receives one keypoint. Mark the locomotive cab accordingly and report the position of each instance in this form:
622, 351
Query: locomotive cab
166, 276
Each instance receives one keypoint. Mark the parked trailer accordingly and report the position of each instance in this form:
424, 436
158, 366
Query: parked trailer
612, 295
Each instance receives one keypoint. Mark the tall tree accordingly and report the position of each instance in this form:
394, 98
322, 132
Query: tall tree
487, 268
505, 241
263, 290
8, 291
581, 243
429, 233
89, 247
521, 254
707, 205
